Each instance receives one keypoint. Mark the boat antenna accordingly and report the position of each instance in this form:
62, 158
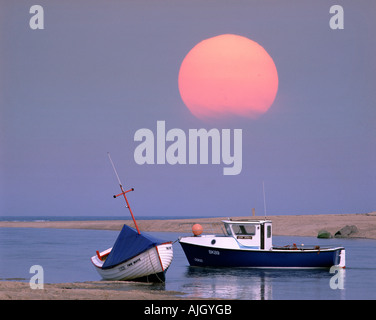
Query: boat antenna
263, 190
123, 193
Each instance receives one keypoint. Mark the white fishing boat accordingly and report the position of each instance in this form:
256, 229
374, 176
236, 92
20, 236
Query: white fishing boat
150, 265
248, 243
134, 256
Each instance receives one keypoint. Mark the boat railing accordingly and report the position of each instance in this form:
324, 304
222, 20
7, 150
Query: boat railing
301, 247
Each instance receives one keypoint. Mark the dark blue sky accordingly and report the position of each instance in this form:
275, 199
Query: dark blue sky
101, 70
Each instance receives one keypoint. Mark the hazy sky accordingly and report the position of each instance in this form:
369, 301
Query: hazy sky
101, 70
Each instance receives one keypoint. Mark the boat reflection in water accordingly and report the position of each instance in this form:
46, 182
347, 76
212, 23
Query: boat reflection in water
258, 284
228, 284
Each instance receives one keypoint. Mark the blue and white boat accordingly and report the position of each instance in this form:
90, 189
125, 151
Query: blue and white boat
248, 243
134, 256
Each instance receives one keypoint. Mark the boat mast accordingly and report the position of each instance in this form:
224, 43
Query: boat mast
123, 193
263, 190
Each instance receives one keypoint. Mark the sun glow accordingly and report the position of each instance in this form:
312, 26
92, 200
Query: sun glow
228, 75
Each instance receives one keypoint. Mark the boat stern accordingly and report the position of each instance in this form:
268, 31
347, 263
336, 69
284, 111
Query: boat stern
165, 253
342, 258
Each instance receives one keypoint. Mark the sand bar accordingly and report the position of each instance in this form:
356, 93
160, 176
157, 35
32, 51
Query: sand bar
93, 290
284, 225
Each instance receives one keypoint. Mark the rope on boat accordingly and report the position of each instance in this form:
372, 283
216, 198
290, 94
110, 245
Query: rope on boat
152, 265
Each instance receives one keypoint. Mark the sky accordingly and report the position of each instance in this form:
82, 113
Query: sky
101, 70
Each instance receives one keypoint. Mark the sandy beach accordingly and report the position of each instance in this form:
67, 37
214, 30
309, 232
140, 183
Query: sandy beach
297, 225
94, 290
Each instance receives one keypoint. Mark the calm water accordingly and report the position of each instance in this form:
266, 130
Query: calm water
65, 257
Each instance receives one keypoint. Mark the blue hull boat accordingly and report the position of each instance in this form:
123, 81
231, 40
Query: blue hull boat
248, 243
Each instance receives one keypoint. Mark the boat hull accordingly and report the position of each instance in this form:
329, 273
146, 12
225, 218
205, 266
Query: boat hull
205, 256
148, 266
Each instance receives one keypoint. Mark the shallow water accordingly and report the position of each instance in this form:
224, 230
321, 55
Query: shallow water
65, 257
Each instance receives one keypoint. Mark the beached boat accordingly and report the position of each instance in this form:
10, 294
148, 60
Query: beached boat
135, 256
248, 243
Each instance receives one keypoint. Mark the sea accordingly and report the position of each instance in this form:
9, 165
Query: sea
64, 255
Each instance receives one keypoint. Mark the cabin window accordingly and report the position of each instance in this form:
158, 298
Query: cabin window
228, 230
269, 231
247, 230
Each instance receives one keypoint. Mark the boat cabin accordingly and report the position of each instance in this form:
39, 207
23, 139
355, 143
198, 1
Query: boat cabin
250, 233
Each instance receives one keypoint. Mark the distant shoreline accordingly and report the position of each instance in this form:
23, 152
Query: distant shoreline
287, 225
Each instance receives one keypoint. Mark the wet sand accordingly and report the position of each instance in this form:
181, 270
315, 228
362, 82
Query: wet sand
94, 290
297, 225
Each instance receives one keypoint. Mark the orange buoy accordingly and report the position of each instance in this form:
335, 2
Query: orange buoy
197, 229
